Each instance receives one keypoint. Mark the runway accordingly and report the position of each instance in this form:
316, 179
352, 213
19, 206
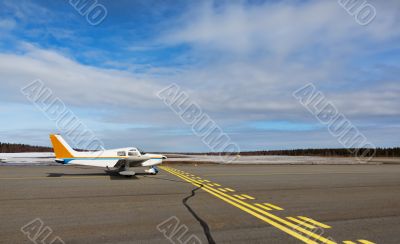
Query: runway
205, 204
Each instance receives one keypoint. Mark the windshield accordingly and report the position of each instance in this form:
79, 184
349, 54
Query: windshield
141, 151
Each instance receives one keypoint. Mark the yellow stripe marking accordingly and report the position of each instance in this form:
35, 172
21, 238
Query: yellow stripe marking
229, 189
209, 184
248, 197
225, 198
365, 242
298, 173
215, 184
273, 206
255, 214
315, 222
269, 218
301, 222
297, 228
262, 206
240, 197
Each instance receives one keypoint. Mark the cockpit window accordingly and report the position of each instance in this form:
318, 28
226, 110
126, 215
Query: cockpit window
121, 153
133, 153
141, 152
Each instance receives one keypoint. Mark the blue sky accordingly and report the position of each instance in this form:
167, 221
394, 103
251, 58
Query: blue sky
239, 60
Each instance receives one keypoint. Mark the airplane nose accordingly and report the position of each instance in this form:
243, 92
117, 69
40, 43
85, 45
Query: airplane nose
164, 157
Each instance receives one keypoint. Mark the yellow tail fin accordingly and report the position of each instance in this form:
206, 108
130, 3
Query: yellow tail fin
61, 148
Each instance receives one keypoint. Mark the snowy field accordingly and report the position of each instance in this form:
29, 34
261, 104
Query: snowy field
275, 160
48, 159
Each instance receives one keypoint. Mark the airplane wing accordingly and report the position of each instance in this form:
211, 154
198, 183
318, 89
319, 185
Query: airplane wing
132, 163
26, 157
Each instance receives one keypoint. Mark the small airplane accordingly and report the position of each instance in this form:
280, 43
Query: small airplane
122, 159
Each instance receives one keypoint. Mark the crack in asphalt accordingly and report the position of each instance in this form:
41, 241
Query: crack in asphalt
203, 223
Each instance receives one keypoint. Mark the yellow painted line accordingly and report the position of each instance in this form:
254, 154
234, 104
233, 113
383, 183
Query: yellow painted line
240, 197
273, 206
222, 189
349, 242
262, 206
255, 214
207, 181
276, 218
365, 242
248, 197
315, 222
229, 189
301, 222
210, 184
215, 184
270, 218
297, 173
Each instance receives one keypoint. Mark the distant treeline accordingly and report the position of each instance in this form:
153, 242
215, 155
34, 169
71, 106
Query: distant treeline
19, 148
329, 152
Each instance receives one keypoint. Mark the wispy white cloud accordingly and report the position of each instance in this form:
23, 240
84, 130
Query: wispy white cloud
7, 24
280, 28
261, 53
75, 83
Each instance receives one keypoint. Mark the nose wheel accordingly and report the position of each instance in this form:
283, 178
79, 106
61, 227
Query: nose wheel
153, 170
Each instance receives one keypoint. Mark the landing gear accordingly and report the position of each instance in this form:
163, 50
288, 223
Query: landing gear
126, 172
153, 170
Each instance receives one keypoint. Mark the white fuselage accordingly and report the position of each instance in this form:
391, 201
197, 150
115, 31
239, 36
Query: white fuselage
109, 158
